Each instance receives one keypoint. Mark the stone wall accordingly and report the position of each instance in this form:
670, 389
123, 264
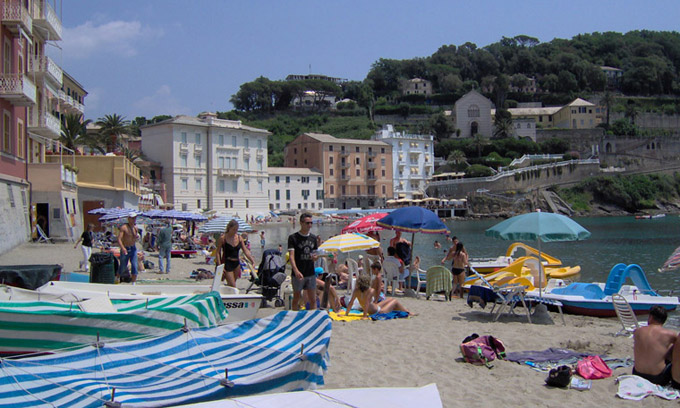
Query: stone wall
580, 140
650, 120
520, 180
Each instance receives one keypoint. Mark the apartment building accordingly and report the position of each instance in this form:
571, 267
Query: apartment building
578, 114
293, 188
356, 173
416, 86
210, 163
412, 161
30, 108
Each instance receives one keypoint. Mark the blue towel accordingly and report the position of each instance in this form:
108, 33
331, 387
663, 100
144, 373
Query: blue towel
481, 294
389, 316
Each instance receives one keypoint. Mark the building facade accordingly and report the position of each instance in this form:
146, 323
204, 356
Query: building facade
356, 173
30, 109
210, 163
412, 161
472, 115
292, 188
416, 86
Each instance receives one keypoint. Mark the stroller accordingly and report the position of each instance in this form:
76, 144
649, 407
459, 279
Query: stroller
270, 276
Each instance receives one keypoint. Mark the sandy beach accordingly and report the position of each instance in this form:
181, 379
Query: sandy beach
425, 349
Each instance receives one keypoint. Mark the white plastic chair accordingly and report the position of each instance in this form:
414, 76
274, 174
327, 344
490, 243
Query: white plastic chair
626, 315
391, 276
353, 272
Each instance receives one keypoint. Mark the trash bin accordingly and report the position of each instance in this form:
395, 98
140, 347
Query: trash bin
101, 268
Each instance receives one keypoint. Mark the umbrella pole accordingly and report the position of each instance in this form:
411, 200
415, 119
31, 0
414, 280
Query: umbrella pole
540, 268
410, 269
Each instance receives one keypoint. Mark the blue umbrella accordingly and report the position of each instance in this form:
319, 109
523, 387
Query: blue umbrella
539, 226
219, 224
414, 219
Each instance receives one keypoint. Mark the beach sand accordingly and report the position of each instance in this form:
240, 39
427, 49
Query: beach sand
425, 349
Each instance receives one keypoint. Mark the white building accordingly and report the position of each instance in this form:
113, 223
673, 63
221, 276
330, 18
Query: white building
412, 160
292, 188
210, 163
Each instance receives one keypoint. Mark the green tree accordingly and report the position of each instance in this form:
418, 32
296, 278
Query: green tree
111, 128
608, 102
73, 130
479, 142
441, 126
502, 123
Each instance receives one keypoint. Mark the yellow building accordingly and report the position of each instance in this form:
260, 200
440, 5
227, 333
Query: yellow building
579, 114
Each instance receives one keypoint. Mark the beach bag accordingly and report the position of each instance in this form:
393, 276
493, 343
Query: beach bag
481, 350
593, 368
559, 377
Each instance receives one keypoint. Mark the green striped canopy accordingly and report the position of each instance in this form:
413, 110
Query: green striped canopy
532, 226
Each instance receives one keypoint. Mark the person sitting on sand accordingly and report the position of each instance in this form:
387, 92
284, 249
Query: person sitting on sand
343, 276
653, 348
368, 299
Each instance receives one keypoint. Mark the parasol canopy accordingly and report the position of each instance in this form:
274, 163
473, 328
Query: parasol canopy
349, 242
365, 224
219, 225
413, 219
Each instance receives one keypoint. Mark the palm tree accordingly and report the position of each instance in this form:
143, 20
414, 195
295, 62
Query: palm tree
631, 112
73, 130
130, 154
479, 141
608, 101
112, 127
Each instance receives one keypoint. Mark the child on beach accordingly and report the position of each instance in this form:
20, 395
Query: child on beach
368, 299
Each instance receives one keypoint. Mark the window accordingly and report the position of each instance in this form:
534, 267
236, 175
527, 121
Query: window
356, 149
277, 178
259, 164
246, 143
247, 203
260, 186
56, 213
20, 139
330, 160
330, 172
10, 195
318, 180
319, 194
383, 173
185, 206
220, 162
287, 194
220, 185
220, 140
358, 190
358, 173
277, 194
198, 160
259, 143
6, 133
233, 141
185, 183
234, 186
357, 161
226, 203
330, 148
383, 189
183, 137
473, 111
287, 179
295, 150
246, 164
198, 138
382, 150
295, 162
382, 161
247, 185
332, 189
73, 200
199, 184
66, 205
183, 160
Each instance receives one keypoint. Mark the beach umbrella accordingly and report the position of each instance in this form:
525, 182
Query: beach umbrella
673, 261
219, 225
119, 213
349, 242
541, 227
100, 210
365, 224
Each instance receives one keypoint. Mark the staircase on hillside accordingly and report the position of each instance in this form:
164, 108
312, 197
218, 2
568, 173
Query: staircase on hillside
557, 204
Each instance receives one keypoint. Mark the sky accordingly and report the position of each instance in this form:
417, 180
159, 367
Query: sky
171, 57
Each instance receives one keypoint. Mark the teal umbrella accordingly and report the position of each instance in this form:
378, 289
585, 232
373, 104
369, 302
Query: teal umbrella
541, 227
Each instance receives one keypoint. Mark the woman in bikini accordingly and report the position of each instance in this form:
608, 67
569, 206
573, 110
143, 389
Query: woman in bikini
460, 261
368, 299
228, 247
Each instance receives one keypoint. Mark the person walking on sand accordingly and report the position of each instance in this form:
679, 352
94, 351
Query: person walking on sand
460, 262
653, 348
164, 246
86, 245
262, 240
228, 247
127, 241
302, 247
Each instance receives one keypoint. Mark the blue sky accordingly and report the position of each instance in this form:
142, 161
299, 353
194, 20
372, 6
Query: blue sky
153, 57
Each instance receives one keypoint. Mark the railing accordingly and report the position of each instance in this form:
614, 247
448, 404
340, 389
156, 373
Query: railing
44, 64
46, 124
184, 147
68, 176
508, 173
14, 12
198, 148
371, 153
42, 10
229, 172
370, 165
17, 85
530, 157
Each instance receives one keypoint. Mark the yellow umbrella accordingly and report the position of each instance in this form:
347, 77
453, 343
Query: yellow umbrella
349, 242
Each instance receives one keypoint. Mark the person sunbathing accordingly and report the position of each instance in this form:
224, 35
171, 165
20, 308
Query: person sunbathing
367, 298
653, 348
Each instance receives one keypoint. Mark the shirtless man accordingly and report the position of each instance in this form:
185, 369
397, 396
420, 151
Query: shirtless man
127, 237
653, 346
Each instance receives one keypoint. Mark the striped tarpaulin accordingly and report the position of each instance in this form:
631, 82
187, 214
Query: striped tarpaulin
30, 326
284, 352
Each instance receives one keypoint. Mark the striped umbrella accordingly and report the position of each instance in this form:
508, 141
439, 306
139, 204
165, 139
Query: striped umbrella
119, 213
365, 224
673, 261
219, 224
349, 242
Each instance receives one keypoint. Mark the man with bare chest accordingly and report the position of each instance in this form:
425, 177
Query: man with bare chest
127, 238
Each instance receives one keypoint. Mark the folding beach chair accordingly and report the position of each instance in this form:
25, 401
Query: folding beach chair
626, 315
438, 279
507, 296
42, 237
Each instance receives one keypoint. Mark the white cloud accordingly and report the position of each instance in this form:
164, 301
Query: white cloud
160, 103
120, 38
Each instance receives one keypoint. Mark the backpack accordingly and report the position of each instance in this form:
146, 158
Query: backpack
482, 350
593, 368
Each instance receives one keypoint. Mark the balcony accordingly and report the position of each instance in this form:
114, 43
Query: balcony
45, 18
16, 18
370, 165
18, 89
345, 165
71, 105
198, 148
371, 153
344, 153
229, 172
344, 178
44, 124
184, 147
259, 153
371, 179
246, 152
45, 68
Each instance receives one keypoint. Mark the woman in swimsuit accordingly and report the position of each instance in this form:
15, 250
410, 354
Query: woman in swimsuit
228, 247
460, 261
368, 299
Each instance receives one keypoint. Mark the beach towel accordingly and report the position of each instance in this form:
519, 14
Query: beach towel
389, 316
340, 316
632, 387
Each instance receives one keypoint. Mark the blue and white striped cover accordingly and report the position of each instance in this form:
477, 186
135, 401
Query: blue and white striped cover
261, 356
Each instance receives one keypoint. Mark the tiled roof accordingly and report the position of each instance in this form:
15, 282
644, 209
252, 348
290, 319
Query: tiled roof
324, 138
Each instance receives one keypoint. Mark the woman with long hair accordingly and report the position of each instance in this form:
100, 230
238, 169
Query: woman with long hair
228, 247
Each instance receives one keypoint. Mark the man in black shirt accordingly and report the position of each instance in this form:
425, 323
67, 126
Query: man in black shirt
301, 247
